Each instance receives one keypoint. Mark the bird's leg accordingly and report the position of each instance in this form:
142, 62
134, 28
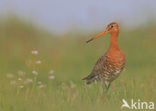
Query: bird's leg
105, 94
107, 84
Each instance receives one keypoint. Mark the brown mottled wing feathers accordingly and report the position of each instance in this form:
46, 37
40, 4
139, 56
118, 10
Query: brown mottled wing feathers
105, 69
98, 68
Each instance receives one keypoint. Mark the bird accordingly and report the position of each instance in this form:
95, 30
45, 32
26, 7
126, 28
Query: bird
109, 66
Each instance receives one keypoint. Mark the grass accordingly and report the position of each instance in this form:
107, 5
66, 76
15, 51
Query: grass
71, 60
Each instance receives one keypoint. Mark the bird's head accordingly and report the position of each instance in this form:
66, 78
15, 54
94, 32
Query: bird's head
111, 28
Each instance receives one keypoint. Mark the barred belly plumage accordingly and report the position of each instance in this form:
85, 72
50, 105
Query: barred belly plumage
110, 71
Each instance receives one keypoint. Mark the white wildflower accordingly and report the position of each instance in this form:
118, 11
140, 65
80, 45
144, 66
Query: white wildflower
38, 62
21, 86
9, 75
28, 80
51, 71
21, 73
41, 86
20, 79
34, 52
51, 77
34, 72
39, 82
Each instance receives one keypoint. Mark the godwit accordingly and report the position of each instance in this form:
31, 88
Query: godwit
109, 66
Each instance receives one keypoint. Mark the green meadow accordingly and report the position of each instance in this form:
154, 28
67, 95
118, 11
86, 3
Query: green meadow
41, 71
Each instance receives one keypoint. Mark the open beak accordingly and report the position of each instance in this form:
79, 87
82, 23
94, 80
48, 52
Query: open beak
105, 32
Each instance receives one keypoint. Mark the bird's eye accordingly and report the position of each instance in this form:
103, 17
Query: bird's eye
112, 26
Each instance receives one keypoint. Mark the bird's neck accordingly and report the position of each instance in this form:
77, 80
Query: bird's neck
113, 41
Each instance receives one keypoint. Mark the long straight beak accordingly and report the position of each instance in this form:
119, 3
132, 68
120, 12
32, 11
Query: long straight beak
105, 32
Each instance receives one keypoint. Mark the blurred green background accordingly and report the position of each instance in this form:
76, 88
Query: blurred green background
64, 61
44, 56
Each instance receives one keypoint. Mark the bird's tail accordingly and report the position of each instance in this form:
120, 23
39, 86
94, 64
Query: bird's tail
89, 79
